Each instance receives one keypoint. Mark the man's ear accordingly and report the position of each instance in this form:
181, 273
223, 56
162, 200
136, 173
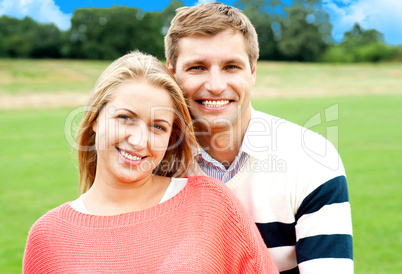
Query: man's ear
254, 70
169, 66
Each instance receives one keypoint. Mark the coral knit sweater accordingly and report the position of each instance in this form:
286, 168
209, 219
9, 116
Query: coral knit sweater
203, 229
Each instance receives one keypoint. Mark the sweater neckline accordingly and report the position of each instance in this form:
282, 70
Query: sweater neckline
241, 174
69, 214
238, 178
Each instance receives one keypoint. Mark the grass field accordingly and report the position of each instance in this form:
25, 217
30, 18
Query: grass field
273, 78
38, 171
300, 79
26, 76
370, 144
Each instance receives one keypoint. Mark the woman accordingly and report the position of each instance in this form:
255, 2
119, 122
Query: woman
136, 215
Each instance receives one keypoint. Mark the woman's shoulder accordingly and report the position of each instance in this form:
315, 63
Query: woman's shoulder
205, 182
49, 219
217, 200
211, 187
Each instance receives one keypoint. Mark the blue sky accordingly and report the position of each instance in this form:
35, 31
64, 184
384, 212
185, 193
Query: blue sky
382, 15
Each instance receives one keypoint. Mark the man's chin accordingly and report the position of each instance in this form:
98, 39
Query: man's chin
213, 124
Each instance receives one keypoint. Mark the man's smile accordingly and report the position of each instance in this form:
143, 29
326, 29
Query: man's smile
213, 103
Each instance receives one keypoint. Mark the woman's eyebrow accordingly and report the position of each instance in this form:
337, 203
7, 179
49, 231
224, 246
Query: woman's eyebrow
135, 115
128, 110
163, 121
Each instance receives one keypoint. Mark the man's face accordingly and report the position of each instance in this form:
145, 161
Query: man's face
215, 76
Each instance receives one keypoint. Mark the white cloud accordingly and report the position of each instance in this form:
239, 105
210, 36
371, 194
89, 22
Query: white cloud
382, 15
43, 11
204, 2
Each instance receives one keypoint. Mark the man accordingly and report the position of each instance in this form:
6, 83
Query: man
298, 200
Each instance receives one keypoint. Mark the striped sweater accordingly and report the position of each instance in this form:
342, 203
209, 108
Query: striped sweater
203, 229
294, 185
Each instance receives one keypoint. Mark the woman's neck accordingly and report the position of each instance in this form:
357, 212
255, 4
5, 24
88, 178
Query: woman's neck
105, 198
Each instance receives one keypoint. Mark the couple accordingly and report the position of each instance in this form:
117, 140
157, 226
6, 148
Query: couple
140, 212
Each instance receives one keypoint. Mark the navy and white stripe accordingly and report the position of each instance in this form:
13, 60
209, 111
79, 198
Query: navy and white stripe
302, 210
332, 193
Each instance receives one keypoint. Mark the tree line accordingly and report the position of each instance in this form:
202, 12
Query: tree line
301, 32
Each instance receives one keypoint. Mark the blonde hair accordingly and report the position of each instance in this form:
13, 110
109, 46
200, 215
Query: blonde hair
136, 65
209, 19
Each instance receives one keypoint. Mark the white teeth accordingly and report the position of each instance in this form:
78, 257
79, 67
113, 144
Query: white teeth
129, 156
215, 104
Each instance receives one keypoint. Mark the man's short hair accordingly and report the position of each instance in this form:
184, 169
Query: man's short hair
209, 19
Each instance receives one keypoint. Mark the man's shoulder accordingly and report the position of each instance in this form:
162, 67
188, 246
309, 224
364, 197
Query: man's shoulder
292, 143
275, 125
278, 133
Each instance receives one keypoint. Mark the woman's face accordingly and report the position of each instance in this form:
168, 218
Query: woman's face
133, 131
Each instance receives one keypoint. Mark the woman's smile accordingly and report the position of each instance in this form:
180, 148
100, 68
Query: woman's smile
133, 158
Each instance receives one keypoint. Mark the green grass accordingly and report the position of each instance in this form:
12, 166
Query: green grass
281, 78
38, 172
370, 144
278, 78
25, 75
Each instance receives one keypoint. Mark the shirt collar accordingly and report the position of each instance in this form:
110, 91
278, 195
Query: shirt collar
255, 141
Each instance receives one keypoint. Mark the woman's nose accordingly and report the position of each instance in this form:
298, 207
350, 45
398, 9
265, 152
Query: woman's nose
138, 136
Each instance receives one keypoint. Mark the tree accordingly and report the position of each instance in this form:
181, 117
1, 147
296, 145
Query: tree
26, 38
300, 31
266, 25
109, 33
168, 13
359, 37
361, 46
300, 39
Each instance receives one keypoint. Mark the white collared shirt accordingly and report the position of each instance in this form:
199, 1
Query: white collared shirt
214, 169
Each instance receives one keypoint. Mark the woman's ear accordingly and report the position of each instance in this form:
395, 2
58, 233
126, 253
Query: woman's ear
95, 125
95, 122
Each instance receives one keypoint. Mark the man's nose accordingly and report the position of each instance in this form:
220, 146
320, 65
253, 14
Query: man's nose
216, 82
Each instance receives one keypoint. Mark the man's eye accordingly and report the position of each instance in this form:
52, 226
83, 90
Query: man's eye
196, 68
232, 67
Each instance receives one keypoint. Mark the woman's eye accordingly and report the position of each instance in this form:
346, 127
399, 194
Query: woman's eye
158, 127
123, 117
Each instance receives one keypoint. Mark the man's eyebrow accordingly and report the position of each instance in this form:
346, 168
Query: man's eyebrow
194, 62
235, 60
203, 61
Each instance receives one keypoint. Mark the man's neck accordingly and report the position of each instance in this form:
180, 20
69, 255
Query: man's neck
224, 144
